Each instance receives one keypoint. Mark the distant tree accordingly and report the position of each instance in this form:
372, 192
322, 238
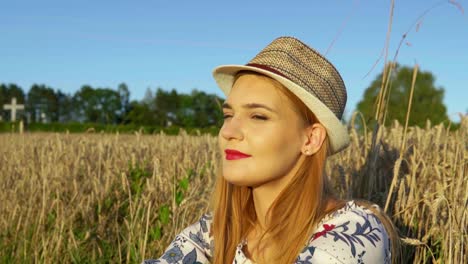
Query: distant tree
207, 109
3, 100
427, 98
196, 109
141, 114
148, 98
216, 111
185, 114
100, 105
41, 100
166, 105
85, 105
109, 101
65, 107
124, 95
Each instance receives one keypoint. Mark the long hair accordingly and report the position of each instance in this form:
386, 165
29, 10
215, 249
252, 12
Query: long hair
303, 199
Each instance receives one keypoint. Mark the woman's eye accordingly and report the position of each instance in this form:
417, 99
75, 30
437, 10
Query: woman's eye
260, 117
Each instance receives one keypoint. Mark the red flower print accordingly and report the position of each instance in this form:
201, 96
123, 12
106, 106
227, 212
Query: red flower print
326, 228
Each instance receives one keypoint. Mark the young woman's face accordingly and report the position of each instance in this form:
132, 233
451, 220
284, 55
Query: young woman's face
272, 136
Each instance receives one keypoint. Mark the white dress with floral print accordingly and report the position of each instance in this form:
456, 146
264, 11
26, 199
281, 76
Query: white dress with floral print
351, 234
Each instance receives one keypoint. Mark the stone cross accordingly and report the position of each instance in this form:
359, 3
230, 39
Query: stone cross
13, 107
43, 117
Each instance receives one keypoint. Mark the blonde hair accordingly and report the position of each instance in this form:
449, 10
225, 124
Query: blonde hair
303, 199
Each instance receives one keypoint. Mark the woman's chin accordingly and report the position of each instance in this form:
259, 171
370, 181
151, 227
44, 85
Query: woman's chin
238, 181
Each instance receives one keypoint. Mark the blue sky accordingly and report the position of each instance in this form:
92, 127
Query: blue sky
176, 44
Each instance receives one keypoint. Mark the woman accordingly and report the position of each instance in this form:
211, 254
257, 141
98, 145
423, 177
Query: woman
272, 203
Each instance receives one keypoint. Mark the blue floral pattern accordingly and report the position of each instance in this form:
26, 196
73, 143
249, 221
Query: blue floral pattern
173, 255
351, 234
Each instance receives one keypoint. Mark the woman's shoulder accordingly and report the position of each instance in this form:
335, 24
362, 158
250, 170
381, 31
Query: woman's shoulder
349, 234
354, 210
205, 224
192, 245
200, 232
201, 227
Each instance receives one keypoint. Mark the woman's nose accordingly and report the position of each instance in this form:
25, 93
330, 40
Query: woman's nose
232, 129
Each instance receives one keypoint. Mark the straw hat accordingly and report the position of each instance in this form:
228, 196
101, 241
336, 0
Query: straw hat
307, 74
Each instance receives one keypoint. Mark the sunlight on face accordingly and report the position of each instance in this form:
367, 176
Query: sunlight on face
261, 122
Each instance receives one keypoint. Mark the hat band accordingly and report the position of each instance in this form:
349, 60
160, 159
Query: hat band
267, 68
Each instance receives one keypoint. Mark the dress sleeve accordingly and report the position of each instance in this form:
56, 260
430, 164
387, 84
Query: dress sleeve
356, 236
192, 246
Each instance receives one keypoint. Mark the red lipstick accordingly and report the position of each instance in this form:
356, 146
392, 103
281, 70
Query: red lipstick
232, 154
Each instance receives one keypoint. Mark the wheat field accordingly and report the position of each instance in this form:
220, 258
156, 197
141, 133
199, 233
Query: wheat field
110, 198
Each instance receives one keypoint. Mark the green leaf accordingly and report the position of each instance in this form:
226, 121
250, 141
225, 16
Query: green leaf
179, 197
164, 213
155, 232
184, 183
190, 173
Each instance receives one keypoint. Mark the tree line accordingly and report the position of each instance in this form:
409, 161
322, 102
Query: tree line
113, 106
199, 109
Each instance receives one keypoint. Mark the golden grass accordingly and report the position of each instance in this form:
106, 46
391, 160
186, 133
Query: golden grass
96, 198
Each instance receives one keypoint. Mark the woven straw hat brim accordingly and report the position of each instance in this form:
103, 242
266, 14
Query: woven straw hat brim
337, 132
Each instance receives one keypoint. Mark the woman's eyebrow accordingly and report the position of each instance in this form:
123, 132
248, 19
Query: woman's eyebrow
251, 106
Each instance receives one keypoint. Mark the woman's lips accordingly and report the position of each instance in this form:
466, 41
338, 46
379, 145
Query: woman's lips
232, 154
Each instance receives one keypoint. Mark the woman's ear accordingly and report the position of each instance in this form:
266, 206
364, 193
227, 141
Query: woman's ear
315, 136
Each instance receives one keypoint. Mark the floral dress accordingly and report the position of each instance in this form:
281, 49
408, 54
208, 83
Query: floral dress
352, 234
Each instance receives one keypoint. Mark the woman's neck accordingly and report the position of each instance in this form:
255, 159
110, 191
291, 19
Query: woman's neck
264, 198
265, 194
